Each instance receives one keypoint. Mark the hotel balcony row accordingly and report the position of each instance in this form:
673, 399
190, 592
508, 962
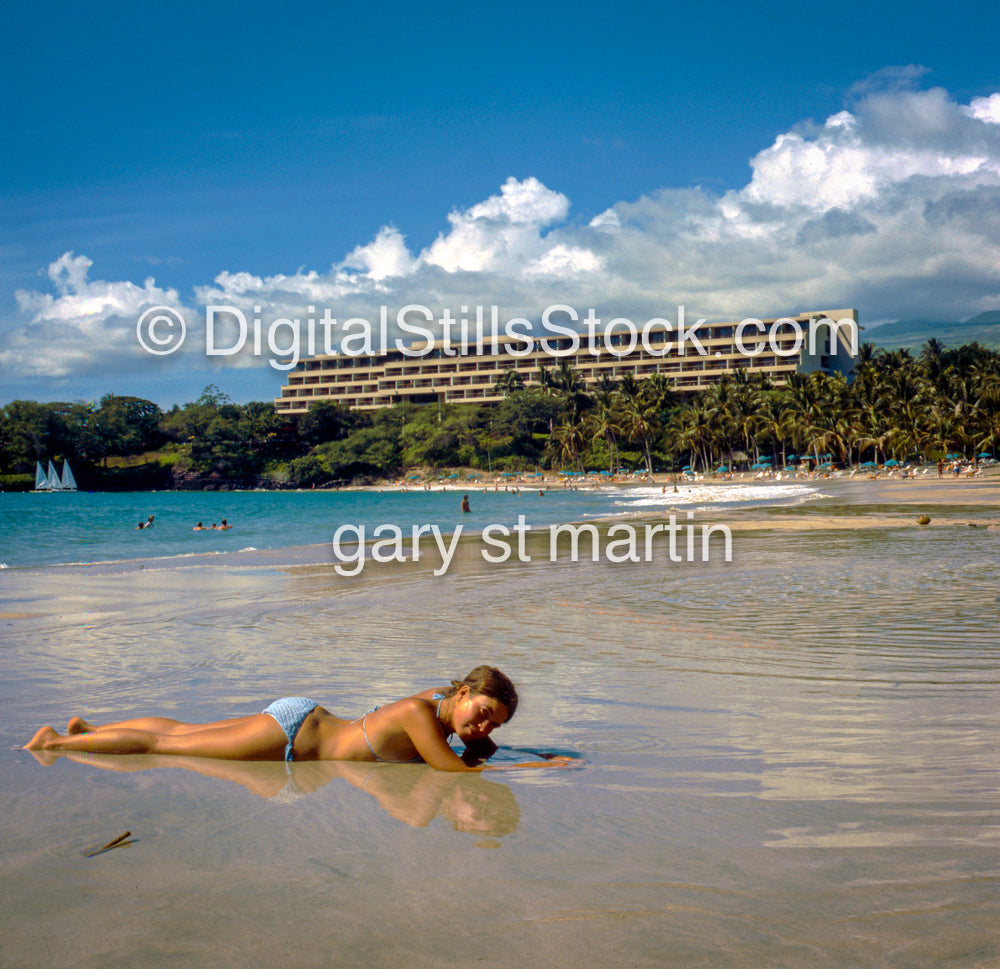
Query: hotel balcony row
381, 380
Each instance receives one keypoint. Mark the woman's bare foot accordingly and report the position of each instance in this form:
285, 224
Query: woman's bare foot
79, 725
44, 736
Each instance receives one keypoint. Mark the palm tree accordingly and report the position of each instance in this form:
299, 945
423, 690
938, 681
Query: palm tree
932, 362
605, 388
508, 382
746, 398
545, 380
804, 412
692, 426
572, 388
771, 420
628, 387
565, 444
603, 421
641, 423
720, 401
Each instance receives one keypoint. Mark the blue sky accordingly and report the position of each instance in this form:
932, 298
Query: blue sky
635, 156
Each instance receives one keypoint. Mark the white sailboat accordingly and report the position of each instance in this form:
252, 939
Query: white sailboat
51, 481
68, 482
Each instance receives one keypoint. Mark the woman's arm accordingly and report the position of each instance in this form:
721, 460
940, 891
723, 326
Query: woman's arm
424, 732
551, 760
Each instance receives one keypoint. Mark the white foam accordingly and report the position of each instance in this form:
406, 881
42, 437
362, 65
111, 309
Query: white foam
707, 496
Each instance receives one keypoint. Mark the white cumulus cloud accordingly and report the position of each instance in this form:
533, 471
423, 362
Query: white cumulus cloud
501, 234
88, 327
891, 205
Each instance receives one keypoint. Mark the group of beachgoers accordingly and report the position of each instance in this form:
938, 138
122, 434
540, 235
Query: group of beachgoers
412, 730
224, 527
199, 527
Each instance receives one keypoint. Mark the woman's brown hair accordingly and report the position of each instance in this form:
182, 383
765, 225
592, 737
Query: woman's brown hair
489, 681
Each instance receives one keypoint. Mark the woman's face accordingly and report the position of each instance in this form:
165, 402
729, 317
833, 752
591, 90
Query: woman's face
476, 716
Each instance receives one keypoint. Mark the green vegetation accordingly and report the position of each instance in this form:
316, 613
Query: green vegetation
897, 406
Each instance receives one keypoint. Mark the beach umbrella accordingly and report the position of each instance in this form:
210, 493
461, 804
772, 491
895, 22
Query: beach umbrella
722, 467
414, 477
891, 463
869, 464
764, 461
985, 455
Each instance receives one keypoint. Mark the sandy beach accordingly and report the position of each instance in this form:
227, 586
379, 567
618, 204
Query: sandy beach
789, 758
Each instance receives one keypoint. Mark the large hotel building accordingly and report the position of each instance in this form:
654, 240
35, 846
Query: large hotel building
775, 347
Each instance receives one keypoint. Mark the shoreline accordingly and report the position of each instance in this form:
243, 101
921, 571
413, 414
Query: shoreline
893, 482
842, 504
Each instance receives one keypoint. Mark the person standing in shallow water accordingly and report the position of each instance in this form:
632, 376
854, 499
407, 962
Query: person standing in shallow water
465, 503
410, 730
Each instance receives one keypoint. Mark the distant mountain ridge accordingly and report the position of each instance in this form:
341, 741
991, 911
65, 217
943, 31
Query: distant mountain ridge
911, 335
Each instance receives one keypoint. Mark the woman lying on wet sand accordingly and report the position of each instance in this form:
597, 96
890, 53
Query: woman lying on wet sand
411, 730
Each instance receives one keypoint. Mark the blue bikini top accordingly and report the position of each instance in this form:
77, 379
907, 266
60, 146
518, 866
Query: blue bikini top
416, 760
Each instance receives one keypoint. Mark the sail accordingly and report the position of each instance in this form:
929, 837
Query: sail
68, 481
54, 484
41, 480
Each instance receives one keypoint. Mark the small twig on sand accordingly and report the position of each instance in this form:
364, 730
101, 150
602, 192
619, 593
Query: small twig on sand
116, 843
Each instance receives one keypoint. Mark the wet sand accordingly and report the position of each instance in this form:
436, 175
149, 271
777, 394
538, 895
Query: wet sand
790, 759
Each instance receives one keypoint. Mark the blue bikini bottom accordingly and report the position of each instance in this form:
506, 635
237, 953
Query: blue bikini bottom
291, 712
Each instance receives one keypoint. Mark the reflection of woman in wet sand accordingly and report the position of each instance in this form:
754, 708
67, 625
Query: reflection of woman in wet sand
411, 795
407, 731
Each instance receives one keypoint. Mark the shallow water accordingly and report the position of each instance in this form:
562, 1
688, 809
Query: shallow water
790, 761
86, 527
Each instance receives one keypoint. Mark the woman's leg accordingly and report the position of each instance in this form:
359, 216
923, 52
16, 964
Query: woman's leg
159, 725
258, 737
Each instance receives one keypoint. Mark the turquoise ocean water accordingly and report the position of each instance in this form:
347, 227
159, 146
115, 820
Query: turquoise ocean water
82, 527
